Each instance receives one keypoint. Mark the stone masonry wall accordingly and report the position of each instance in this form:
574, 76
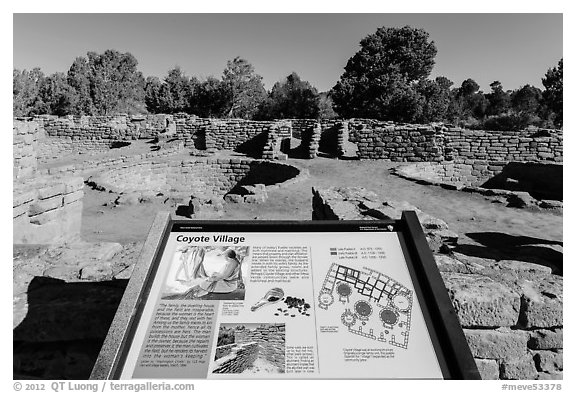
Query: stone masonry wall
47, 209
271, 339
24, 149
522, 146
396, 142
374, 139
237, 134
511, 311
117, 127
436, 143
240, 357
54, 148
195, 176
311, 140
191, 130
278, 140
87, 166
543, 180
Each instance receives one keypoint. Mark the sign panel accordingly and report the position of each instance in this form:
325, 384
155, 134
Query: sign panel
283, 301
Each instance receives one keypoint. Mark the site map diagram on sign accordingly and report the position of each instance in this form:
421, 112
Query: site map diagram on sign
373, 305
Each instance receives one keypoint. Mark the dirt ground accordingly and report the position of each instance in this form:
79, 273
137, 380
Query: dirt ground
466, 213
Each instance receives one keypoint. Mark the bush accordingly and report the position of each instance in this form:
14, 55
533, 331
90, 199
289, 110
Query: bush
511, 122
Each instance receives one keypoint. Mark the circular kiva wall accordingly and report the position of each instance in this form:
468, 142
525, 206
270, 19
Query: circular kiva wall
542, 180
195, 176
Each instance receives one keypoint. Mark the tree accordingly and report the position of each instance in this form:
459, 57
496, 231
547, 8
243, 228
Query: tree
498, 99
156, 95
180, 90
379, 79
469, 87
437, 98
244, 88
526, 99
326, 106
553, 93
470, 101
79, 79
25, 92
115, 82
58, 96
292, 98
210, 98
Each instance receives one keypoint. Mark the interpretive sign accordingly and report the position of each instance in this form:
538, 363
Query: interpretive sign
334, 299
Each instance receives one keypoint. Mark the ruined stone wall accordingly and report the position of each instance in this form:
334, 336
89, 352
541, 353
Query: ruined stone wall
278, 140
24, 149
543, 180
311, 140
117, 127
468, 146
374, 139
198, 176
47, 209
240, 357
271, 339
194, 176
191, 130
396, 142
511, 311
88, 166
240, 135
435, 143
300, 126
54, 148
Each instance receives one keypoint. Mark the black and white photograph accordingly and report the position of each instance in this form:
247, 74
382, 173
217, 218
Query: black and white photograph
250, 348
122, 118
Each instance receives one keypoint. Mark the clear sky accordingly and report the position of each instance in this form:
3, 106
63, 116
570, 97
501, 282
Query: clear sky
513, 48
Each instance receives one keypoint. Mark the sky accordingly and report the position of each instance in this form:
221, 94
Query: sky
515, 49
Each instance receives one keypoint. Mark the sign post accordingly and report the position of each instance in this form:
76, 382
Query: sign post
286, 299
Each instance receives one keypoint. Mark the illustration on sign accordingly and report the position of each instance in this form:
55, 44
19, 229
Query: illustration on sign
373, 305
207, 273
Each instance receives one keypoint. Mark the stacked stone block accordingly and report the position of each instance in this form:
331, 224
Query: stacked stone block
278, 135
231, 134
195, 176
374, 139
103, 163
522, 146
397, 142
343, 136
271, 339
311, 140
511, 312
299, 126
54, 148
24, 149
117, 127
240, 357
191, 130
46, 210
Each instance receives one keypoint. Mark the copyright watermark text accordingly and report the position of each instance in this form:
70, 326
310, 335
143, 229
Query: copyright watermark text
101, 386
531, 386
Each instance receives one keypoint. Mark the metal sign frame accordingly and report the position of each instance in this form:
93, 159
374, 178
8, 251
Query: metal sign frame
449, 342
